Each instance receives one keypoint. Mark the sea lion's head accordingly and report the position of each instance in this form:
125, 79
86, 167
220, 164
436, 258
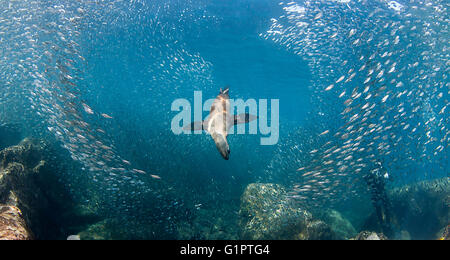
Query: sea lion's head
222, 145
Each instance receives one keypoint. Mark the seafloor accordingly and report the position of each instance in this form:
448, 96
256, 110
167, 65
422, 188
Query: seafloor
35, 205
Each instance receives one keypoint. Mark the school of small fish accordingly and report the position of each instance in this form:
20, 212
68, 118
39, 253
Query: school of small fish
386, 66
43, 70
380, 89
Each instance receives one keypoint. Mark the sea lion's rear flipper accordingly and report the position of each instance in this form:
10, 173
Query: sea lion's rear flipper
194, 126
244, 118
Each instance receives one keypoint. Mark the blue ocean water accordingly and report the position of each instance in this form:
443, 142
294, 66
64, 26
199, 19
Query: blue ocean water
362, 86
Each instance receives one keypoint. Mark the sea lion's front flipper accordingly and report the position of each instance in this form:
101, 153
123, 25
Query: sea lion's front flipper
244, 118
194, 126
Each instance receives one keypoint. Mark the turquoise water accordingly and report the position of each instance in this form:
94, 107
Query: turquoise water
362, 87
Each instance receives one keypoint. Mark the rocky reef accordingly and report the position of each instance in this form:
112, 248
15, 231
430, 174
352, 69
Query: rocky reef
445, 233
209, 224
426, 202
33, 204
266, 213
20, 198
417, 211
121, 229
342, 228
97, 231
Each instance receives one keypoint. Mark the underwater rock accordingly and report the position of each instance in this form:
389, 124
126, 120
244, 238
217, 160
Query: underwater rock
369, 235
97, 231
124, 228
402, 235
20, 198
427, 203
446, 233
12, 224
317, 230
27, 153
342, 228
208, 224
266, 213
29, 182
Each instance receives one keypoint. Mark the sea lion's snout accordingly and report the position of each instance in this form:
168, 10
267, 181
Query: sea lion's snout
224, 150
222, 146
226, 154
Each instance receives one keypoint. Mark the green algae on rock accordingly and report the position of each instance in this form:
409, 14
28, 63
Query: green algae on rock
26, 210
425, 202
97, 231
20, 197
266, 213
340, 226
208, 224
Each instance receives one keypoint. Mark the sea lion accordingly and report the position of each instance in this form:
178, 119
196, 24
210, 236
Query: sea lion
219, 121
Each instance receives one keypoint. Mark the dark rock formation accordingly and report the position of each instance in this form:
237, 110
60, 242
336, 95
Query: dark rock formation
20, 198
316, 230
33, 205
340, 226
97, 231
423, 208
419, 211
445, 233
209, 224
266, 213
122, 229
